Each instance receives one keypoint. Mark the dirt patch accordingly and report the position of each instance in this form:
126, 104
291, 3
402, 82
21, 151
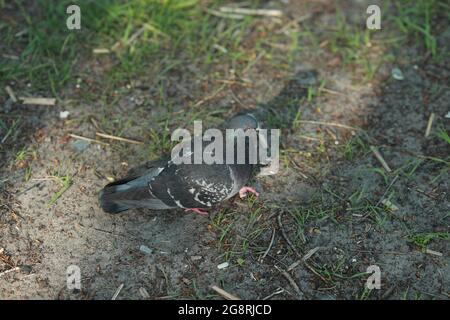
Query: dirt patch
325, 202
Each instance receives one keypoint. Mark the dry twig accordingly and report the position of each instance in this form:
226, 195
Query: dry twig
38, 101
291, 281
332, 124
117, 292
252, 12
224, 15
100, 51
11, 94
109, 136
380, 158
88, 139
430, 124
9, 270
270, 246
224, 294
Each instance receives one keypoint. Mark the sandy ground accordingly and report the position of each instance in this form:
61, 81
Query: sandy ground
322, 201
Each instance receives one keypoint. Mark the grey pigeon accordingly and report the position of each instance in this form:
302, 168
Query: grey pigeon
165, 185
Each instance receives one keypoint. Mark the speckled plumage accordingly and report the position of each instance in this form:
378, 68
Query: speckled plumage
165, 185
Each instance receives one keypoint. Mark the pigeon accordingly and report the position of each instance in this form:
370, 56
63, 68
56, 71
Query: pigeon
163, 184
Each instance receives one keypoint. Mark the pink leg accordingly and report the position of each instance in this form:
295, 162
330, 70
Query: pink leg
244, 190
197, 210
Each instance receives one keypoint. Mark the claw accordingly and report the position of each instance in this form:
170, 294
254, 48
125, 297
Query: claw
244, 190
197, 210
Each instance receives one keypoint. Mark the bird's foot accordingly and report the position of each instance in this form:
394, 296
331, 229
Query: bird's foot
244, 190
197, 210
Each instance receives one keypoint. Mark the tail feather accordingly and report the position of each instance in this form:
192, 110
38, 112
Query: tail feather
109, 203
123, 194
128, 193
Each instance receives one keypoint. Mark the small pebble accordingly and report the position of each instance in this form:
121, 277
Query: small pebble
223, 265
145, 249
80, 145
397, 74
64, 114
389, 205
144, 293
195, 258
8, 105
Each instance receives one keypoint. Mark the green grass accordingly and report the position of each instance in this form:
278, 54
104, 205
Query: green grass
414, 18
161, 143
380, 172
239, 235
304, 218
352, 43
171, 292
8, 129
443, 135
46, 51
354, 148
65, 180
365, 294
417, 20
410, 168
23, 160
355, 45
346, 40
21, 155
338, 271
423, 239
222, 224
172, 30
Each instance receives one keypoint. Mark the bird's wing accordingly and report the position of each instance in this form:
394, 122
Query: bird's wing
147, 167
194, 185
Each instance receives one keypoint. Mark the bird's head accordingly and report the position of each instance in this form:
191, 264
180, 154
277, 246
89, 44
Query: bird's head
248, 122
243, 121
